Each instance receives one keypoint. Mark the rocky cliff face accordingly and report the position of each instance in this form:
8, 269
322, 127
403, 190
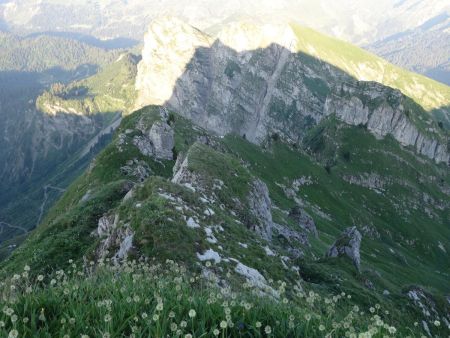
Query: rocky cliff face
260, 206
382, 110
157, 141
250, 79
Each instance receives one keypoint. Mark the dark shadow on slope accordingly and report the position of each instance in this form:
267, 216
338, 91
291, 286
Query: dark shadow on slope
37, 149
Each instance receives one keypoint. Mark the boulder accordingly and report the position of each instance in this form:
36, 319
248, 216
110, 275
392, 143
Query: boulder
162, 137
303, 220
138, 169
106, 224
261, 208
348, 244
157, 142
292, 236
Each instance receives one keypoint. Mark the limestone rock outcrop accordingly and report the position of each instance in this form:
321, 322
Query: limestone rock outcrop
105, 224
251, 80
368, 180
116, 240
304, 220
138, 169
157, 142
426, 303
162, 137
390, 117
182, 174
293, 237
261, 208
348, 244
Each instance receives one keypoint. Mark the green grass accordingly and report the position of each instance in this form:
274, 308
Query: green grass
365, 66
389, 261
66, 231
110, 90
211, 164
144, 299
348, 204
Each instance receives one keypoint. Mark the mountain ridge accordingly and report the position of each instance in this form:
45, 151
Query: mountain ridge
255, 220
255, 166
382, 26
192, 70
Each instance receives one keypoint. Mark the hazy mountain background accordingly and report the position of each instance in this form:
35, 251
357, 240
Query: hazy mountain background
414, 34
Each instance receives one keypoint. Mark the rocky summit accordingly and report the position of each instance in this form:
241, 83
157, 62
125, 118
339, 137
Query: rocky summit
262, 181
256, 80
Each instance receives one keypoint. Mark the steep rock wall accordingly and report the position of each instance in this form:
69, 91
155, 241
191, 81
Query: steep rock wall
251, 80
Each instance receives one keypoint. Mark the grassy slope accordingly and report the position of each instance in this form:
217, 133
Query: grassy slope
158, 226
349, 204
144, 299
109, 91
365, 66
404, 252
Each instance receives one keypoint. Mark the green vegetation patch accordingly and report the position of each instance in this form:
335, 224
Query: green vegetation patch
143, 299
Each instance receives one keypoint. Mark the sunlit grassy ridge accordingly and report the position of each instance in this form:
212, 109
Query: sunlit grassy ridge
365, 66
146, 299
111, 90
